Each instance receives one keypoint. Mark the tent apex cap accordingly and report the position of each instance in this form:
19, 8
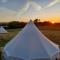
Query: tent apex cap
30, 21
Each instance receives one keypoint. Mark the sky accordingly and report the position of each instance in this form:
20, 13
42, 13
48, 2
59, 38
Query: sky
24, 10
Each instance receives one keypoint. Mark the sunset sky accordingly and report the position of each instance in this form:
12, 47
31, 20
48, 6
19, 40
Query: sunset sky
24, 10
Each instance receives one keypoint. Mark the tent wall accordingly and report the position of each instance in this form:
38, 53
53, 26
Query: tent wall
12, 58
6, 57
56, 56
42, 59
30, 43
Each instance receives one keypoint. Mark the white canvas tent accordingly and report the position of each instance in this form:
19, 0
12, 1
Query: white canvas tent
2, 30
30, 44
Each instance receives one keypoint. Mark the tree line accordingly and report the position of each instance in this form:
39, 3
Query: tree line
17, 24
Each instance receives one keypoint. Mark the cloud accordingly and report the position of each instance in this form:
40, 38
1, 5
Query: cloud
28, 6
4, 1
36, 6
33, 4
52, 3
7, 14
23, 10
45, 3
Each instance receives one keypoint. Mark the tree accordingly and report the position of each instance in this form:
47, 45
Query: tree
16, 24
36, 21
46, 23
13, 24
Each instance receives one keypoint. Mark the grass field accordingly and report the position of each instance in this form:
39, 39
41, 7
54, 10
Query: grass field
52, 34
7, 37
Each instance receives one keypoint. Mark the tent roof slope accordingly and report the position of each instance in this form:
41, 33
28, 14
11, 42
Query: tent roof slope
30, 43
2, 30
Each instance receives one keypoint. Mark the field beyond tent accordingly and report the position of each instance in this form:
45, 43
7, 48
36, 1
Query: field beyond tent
52, 34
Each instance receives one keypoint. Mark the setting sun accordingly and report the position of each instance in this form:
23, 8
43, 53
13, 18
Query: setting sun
52, 22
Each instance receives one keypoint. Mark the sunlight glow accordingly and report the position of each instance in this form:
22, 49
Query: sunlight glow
52, 22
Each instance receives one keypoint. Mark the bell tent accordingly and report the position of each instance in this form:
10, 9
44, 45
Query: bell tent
30, 44
2, 30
